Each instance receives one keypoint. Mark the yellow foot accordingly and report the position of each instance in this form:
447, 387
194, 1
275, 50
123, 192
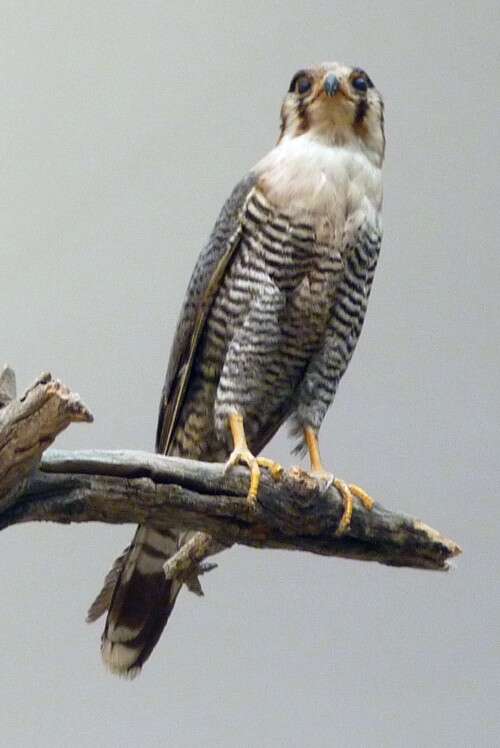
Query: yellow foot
348, 492
243, 456
364, 497
274, 468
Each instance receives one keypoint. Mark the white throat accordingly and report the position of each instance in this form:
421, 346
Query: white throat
303, 175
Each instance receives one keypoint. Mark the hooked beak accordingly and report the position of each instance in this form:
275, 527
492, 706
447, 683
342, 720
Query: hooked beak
331, 84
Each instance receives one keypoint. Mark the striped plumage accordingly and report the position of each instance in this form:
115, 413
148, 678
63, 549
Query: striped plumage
270, 320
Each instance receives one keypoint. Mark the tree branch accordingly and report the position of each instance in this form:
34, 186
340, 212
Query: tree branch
120, 487
139, 487
29, 425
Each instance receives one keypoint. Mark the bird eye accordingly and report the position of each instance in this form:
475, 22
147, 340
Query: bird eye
360, 84
301, 84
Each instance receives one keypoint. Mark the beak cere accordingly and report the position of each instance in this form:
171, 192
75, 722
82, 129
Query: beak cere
331, 84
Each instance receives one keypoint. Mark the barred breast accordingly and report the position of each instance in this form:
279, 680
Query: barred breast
265, 324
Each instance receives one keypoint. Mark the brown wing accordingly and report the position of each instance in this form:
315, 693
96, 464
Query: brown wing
203, 287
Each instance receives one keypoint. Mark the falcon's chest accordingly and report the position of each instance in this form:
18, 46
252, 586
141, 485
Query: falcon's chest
311, 208
337, 191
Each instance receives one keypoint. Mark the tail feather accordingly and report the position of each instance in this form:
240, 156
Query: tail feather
139, 600
103, 600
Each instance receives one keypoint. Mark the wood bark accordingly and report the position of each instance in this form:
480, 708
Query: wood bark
29, 425
138, 487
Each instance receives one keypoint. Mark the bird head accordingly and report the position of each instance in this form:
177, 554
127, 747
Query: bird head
337, 105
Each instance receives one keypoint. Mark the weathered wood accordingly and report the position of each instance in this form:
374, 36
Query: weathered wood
187, 564
7, 386
29, 425
139, 487
125, 486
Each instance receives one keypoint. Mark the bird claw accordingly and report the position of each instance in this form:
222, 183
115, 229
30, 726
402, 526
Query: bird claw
348, 493
361, 494
242, 455
274, 468
325, 480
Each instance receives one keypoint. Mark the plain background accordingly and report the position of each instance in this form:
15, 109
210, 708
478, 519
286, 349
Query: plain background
124, 127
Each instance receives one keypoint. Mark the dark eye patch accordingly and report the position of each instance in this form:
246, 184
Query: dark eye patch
357, 74
360, 84
301, 83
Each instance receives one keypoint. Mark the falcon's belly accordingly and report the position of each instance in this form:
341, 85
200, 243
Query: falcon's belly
266, 322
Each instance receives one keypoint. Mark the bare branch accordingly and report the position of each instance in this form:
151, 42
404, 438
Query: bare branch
141, 488
7, 385
187, 564
125, 486
29, 425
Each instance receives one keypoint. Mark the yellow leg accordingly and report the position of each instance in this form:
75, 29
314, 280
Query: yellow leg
347, 491
241, 454
313, 449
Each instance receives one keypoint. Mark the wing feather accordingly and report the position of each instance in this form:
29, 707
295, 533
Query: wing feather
203, 287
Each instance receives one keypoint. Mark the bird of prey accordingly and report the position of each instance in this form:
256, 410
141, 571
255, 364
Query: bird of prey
270, 320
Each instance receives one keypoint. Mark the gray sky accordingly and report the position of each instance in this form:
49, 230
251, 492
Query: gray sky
124, 127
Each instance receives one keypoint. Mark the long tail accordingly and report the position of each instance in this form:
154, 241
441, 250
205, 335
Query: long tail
139, 600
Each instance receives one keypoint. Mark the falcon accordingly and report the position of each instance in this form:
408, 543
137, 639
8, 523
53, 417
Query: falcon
271, 317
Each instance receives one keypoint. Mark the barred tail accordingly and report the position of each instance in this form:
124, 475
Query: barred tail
139, 600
